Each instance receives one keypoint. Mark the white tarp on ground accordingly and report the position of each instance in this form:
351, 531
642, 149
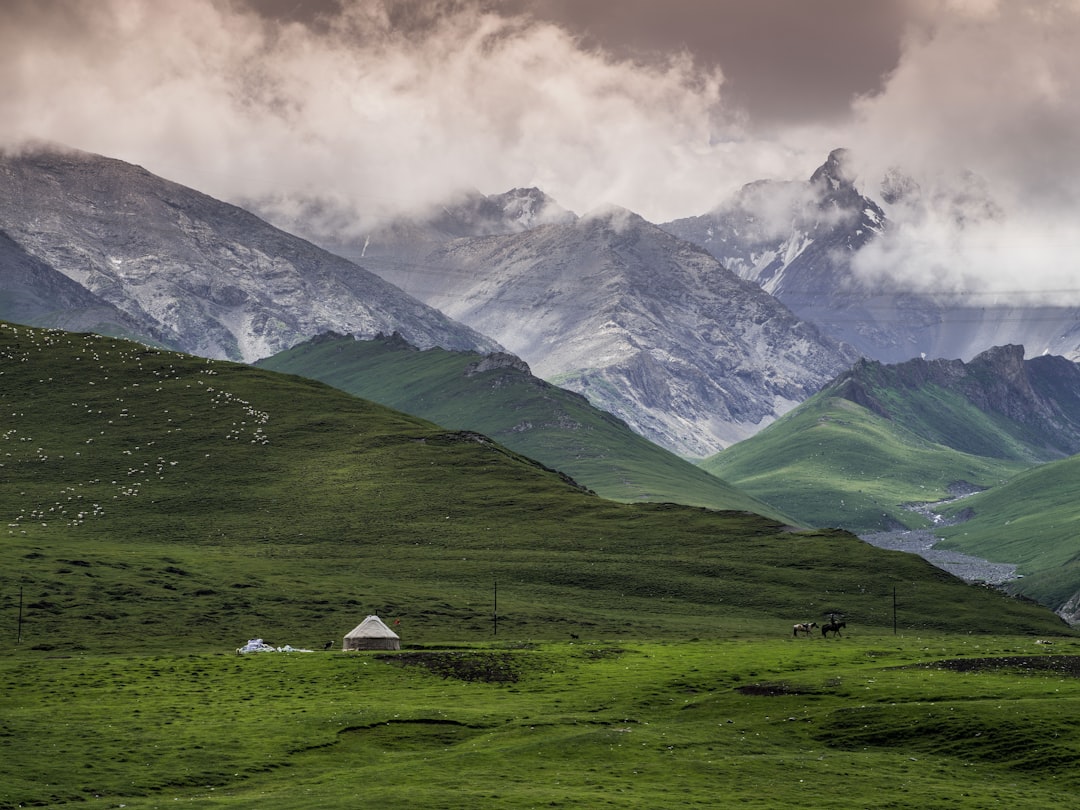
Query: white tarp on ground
258, 645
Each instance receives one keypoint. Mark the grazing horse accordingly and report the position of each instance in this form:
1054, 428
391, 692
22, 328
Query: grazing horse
803, 627
833, 626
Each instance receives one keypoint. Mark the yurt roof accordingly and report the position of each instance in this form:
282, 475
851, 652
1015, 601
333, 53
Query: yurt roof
371, 627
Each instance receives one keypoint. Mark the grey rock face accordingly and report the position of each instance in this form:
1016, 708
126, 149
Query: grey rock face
1041, 394
195, 273
32, 292
646, 326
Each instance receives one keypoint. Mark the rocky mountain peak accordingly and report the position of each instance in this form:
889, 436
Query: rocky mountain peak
1004, 361
648, 327
525, 208
836, 172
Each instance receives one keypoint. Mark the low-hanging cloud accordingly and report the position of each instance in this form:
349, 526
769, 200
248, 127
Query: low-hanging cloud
384, 106
366, 113
982, 114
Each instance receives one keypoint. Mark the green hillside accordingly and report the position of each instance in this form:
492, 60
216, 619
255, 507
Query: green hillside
831, 462
977, 407
161, 509
154, 499
1031, 521
556, 427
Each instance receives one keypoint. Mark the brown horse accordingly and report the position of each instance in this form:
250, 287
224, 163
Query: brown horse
803, 627
832, 626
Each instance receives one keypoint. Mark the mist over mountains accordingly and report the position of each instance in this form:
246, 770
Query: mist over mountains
697, 332
163, 262
645, 325
807, 243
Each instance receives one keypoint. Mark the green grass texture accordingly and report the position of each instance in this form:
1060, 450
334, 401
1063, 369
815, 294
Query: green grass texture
831, 462
760, 721
554, 426
1031, 521
171, 499
559, 649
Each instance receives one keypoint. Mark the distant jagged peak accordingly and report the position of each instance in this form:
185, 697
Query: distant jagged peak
996, 380
470, 213
1005, 361
531, 207
766, 210
613, 217
836, 172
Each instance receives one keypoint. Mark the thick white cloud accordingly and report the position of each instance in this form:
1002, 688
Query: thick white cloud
368, 114
391, 104
983, 111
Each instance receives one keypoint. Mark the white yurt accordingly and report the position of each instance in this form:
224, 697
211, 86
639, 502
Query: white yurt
371, 634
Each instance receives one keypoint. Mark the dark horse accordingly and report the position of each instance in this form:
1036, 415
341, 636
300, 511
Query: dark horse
832, 626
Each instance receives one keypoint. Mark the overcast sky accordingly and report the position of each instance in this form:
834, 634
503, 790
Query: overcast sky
665, 108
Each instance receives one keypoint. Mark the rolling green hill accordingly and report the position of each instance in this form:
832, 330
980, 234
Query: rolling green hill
154, 499
832, 462
881, 438
160, 509
501, 399
1031, 521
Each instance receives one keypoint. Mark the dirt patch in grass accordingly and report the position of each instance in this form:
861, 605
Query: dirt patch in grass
772, 689
1060, 664
486, 667
601, 653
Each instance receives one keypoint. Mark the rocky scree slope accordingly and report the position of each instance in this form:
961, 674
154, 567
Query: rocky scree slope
645, 325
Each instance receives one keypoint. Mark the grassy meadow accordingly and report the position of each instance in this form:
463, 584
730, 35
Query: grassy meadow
1031, 521
161, 509
546, 423
832, 462
752, 720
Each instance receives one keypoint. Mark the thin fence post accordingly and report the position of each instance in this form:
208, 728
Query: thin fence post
894, 610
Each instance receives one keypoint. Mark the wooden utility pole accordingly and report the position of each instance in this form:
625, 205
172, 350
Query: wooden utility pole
894, 610
495, 611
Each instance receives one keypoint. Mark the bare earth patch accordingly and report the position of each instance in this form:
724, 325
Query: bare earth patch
488, 667
1061, 664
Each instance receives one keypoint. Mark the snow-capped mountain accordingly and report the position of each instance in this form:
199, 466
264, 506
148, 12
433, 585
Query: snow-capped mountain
797, 239
187, 270
645, 325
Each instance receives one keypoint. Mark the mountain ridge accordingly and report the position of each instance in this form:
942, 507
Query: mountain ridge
193, 272
647, 326
497, 395
798, 240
